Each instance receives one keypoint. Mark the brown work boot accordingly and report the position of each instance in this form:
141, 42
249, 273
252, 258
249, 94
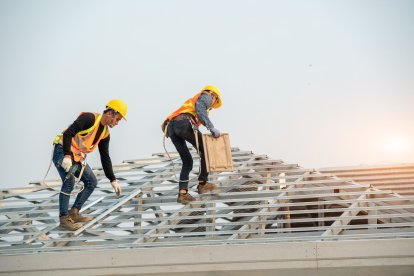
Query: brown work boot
66, 222
77, 217
205, 187
185, 198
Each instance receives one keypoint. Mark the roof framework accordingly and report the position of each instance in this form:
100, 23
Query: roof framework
261, 200
398, 178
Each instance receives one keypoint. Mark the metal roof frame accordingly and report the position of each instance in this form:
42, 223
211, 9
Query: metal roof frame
261, 200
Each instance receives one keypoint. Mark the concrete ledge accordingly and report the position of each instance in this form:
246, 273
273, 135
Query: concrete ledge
384, 257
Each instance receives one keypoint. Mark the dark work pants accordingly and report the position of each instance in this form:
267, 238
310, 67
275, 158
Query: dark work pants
88, 178
180, 132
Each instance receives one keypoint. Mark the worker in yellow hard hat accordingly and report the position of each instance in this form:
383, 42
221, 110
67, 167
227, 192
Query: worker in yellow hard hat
183, 127
88, 131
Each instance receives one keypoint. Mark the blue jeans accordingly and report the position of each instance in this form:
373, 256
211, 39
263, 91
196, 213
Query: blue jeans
88, 178
180, 132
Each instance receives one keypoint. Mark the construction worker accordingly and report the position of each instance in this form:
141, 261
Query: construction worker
87, 132
182, 126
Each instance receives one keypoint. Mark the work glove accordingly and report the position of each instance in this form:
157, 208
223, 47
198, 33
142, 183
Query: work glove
215, 132
67, 163
116, 187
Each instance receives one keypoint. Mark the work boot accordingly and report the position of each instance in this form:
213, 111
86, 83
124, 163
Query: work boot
205, 187
66, 222
77, 217
185, 198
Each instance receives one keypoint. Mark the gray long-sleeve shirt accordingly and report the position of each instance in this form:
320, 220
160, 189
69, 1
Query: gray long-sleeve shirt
202, 105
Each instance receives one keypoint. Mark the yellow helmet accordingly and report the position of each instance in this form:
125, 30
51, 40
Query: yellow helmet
215, 91
119, 106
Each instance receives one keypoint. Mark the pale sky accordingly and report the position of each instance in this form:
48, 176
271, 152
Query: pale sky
315, 83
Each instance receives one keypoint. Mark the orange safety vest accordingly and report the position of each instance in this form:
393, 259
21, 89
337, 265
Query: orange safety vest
189, 107
82, 141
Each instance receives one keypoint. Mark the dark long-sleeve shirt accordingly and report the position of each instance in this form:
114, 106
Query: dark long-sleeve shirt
83, 122
202, 105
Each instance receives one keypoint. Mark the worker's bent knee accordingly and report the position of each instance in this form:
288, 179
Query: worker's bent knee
188, 166
68, 185
91, 182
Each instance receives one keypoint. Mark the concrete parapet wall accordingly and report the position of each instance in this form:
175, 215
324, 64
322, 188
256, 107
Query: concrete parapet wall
359, 257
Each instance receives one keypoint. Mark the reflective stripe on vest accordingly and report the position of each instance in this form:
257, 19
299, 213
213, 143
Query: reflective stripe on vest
82, 141
189, 107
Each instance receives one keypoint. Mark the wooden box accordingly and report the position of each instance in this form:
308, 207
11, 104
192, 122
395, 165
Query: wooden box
217, 152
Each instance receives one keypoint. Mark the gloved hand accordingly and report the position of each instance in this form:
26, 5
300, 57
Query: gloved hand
116, 187
215, 132
66, 163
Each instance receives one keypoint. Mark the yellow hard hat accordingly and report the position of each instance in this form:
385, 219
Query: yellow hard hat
119, 106
215, 91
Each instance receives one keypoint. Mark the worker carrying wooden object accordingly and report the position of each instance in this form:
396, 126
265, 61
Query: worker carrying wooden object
182, 126
217, 153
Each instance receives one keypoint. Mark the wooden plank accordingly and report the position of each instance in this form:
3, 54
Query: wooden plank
217, 153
